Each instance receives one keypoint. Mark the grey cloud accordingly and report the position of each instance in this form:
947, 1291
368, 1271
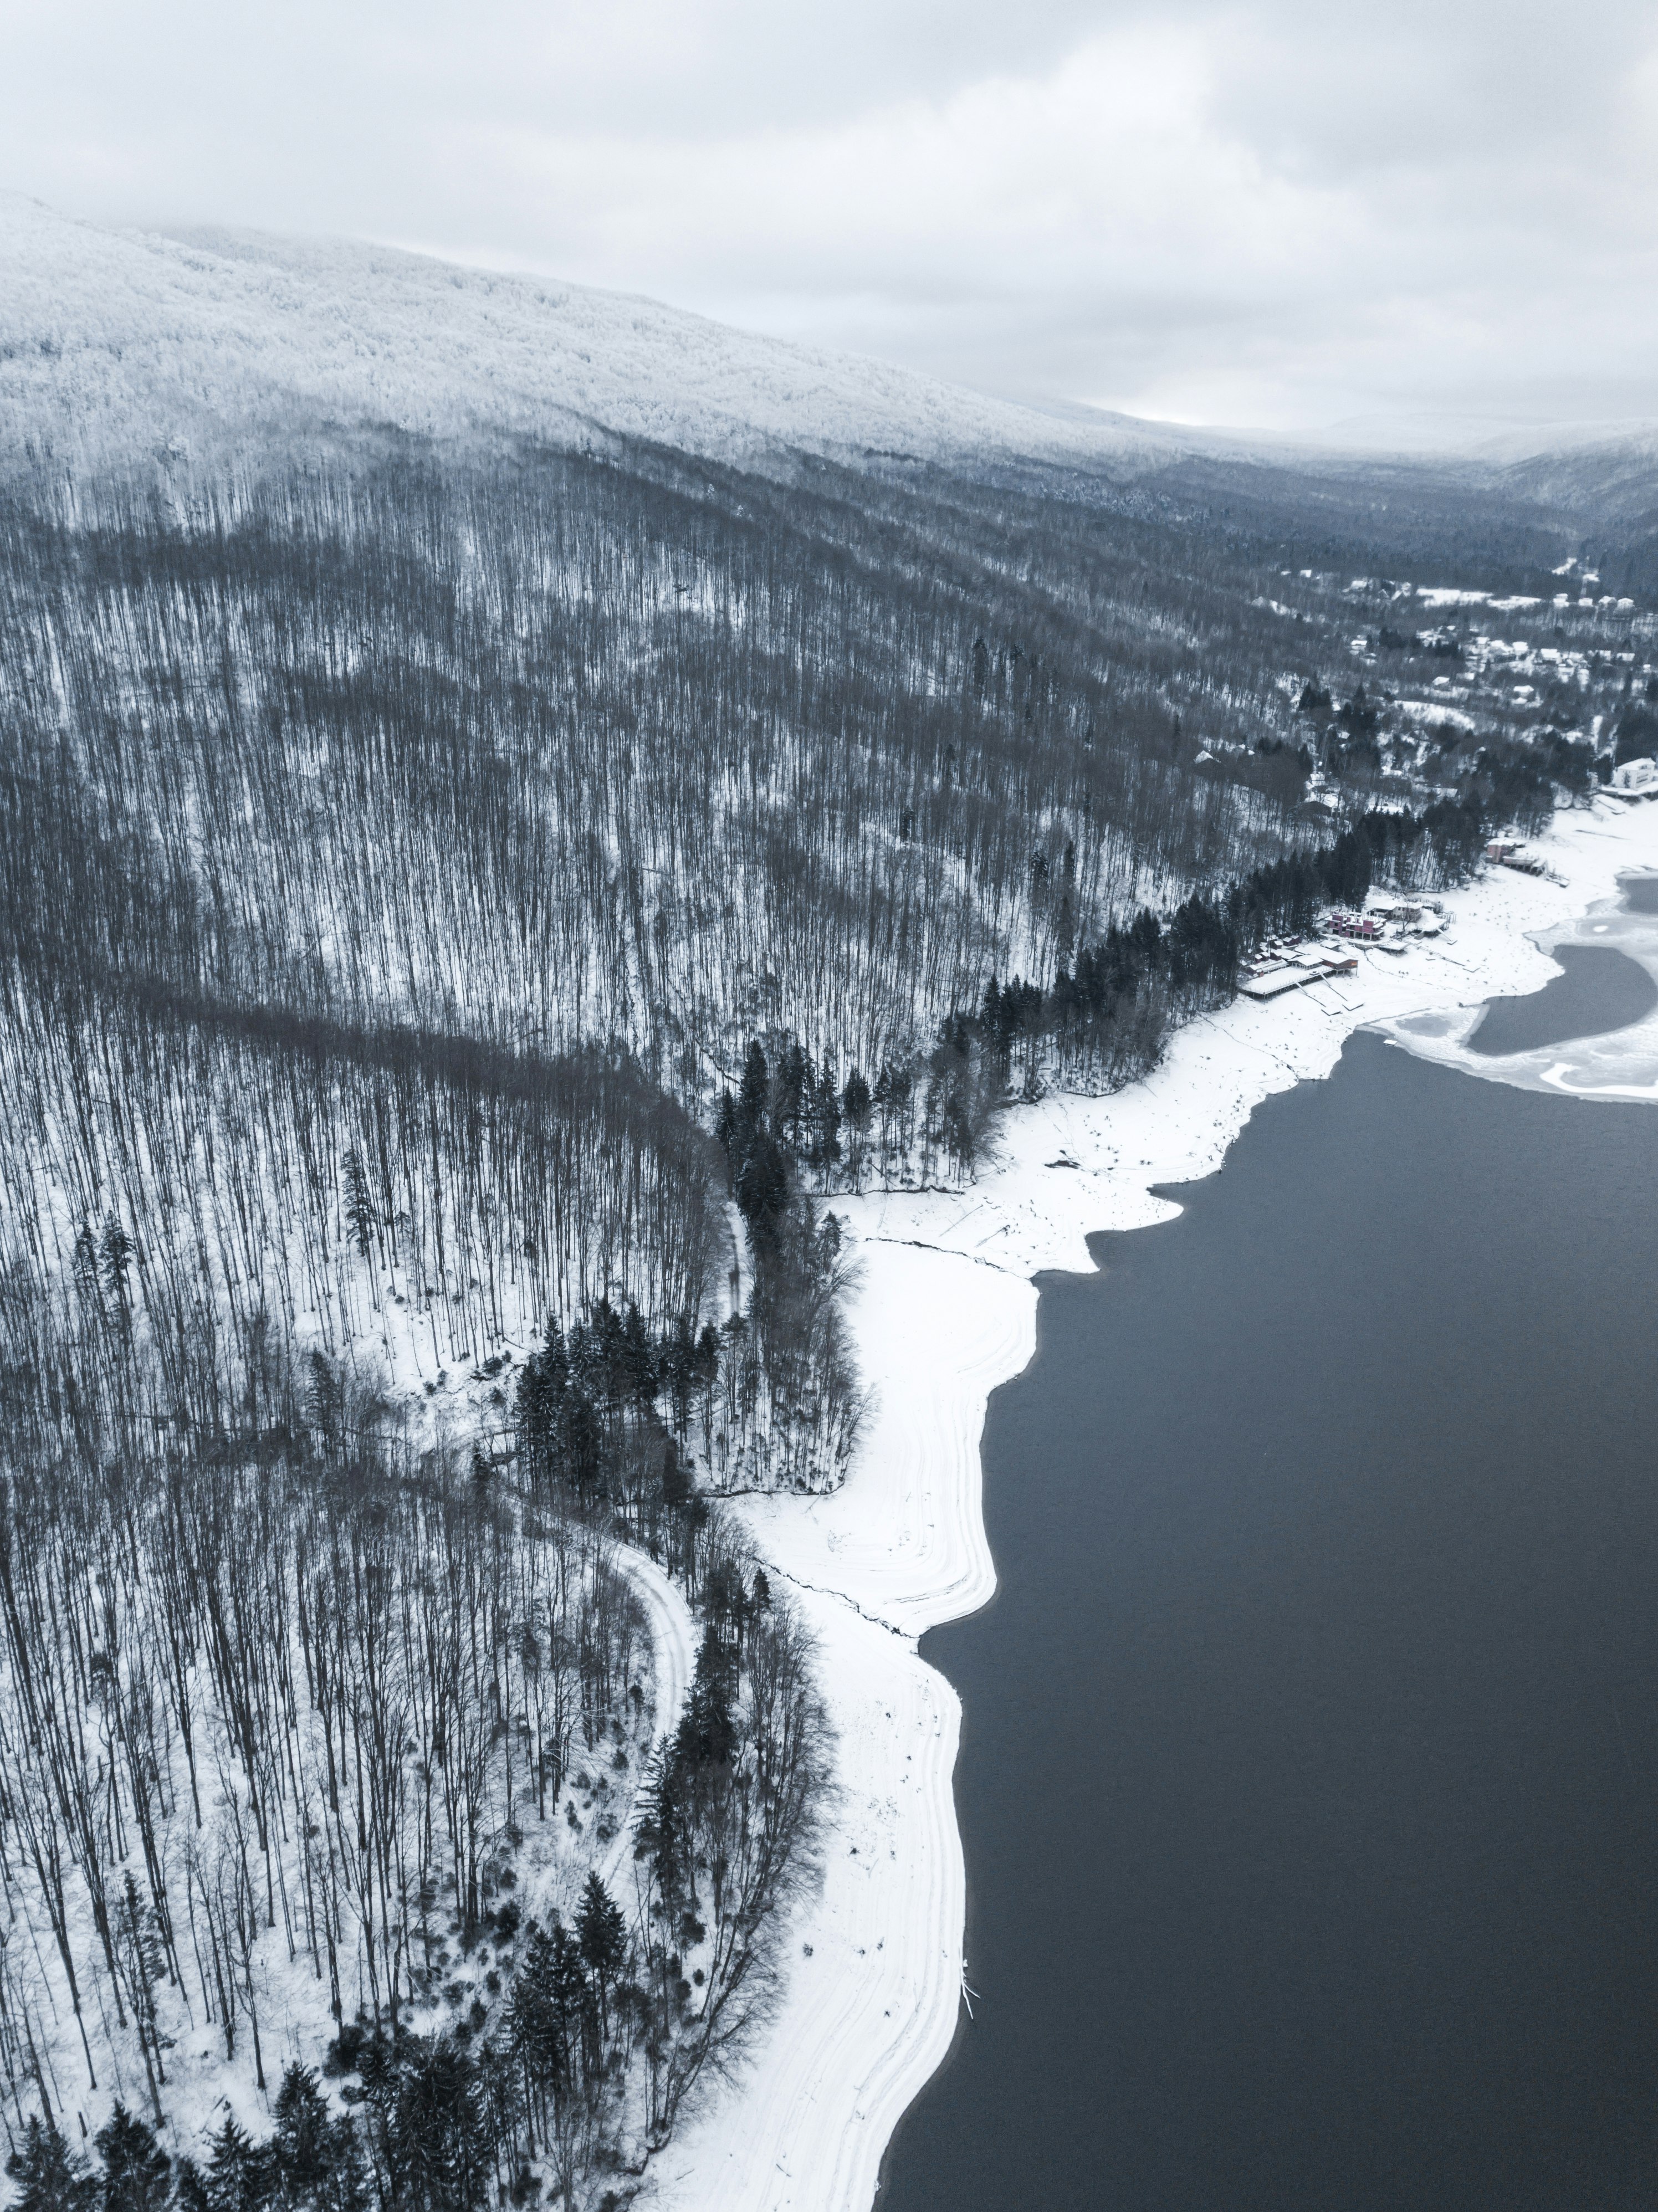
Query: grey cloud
1284, 211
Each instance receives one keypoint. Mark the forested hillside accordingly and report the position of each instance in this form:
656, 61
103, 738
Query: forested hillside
465, 913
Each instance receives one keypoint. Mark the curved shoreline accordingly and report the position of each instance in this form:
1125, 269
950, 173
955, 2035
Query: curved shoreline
947, 1312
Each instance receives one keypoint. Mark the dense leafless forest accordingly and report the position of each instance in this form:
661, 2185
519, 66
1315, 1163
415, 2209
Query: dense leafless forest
464, 920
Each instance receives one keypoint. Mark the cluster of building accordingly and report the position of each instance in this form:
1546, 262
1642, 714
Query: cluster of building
1288, 963
1291, 967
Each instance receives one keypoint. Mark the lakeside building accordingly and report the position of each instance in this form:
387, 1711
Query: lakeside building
1635, 780
1509, 853
1295, 974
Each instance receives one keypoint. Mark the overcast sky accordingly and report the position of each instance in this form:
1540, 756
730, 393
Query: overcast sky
1286, 213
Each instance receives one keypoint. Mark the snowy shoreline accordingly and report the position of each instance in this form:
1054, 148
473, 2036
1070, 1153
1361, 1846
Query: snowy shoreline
946, 1312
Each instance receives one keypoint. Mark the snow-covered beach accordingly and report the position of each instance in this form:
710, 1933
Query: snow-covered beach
945, 1312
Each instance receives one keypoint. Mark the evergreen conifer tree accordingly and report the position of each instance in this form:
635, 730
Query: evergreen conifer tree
239, 2176
756, 1089
137, 2172
602, 1934
303, 2142
86, 1267
115, 1255
189, 2189
359, 1203
317, 2159
434, 2149
50, 2177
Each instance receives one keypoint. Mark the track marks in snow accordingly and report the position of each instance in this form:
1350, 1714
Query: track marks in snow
673, 1661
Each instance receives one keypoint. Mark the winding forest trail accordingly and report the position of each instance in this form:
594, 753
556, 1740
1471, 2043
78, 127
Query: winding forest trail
673, 1647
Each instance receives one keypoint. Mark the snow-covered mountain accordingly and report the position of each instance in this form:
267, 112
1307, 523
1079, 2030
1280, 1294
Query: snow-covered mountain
116, 344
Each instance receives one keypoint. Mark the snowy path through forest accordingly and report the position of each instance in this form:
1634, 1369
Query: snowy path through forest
673, 1646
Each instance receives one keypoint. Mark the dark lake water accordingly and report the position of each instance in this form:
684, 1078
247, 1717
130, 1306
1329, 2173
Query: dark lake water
1640, 893
1599, 990
1308, 1777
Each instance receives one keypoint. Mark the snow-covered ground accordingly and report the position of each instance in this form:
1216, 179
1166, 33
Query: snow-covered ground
946, 1312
